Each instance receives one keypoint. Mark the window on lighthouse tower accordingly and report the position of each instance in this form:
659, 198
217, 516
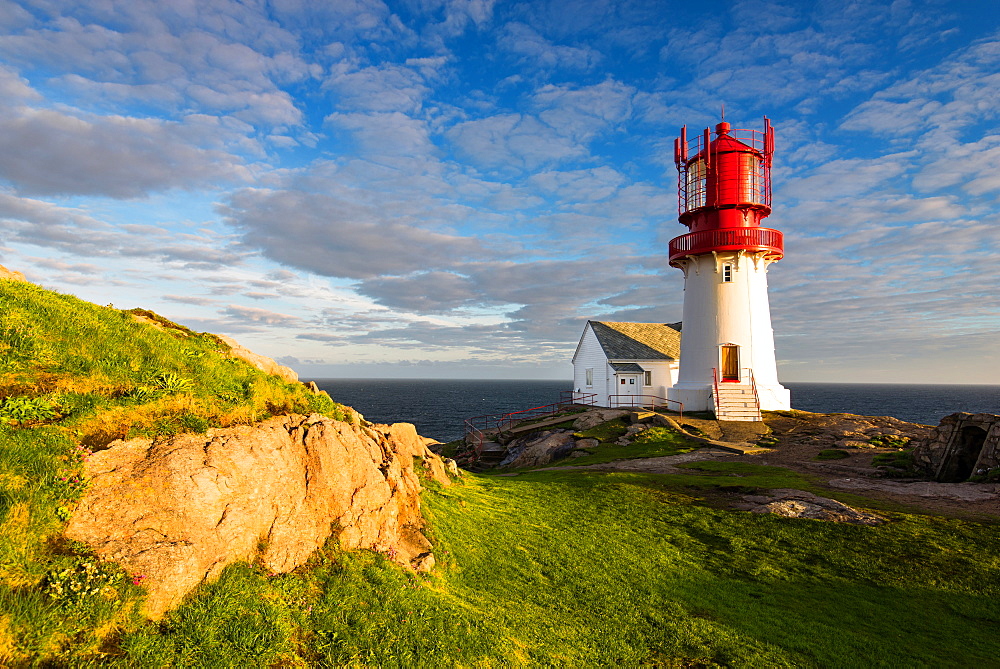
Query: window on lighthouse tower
750, 178
696, 184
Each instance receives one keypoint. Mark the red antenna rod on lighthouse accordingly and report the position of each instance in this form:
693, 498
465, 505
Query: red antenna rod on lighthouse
708, 144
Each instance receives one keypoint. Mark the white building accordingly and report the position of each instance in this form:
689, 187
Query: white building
626, 364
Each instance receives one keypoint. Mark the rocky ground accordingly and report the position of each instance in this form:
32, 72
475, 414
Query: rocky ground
795, 438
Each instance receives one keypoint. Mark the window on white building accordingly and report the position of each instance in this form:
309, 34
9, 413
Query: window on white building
727, 273
590, 377
647, 379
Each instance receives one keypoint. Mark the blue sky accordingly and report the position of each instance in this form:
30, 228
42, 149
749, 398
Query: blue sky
451, 188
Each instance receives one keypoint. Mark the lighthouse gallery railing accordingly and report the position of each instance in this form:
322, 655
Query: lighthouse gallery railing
728, 239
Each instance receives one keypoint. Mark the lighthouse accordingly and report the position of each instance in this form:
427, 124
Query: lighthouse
727, 362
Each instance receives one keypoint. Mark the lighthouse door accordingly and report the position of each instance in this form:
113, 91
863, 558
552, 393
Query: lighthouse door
730, 362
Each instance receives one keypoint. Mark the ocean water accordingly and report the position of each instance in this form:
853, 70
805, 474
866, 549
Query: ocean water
439, 407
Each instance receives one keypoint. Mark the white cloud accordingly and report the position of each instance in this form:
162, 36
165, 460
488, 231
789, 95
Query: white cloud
537, 52
49, 152
512, 142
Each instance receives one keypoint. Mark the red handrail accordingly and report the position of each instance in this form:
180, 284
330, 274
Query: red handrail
753, 386
477, 426
715, 395
616, 402
754, 239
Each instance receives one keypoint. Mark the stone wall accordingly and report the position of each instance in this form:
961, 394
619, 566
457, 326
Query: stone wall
963, 445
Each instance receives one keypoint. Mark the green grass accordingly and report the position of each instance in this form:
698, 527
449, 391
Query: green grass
652, 443
553, 568
74, 376
594, 569
605, 432
900, 464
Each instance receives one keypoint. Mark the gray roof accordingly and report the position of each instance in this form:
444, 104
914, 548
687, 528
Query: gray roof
627, 367
638, 341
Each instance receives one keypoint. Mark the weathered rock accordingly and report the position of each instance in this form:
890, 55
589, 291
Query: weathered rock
261, 362
11, 275
850, 443
587, 443
540, 449
594, 417
424, 562
179, 510
801, 504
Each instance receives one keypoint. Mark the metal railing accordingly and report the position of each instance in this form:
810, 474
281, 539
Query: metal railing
753, 386
748, 377
715, 393
478, 428
697, 163
649, 402
769, 240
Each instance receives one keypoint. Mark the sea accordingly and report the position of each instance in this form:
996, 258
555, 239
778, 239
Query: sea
439, 407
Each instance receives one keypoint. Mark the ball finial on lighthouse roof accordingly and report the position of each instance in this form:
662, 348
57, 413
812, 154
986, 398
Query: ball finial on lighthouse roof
722, 128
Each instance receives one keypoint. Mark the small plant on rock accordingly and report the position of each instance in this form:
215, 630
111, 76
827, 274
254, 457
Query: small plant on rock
889, 441
85, 578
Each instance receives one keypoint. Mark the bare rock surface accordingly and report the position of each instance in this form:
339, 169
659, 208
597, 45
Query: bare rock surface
800, 504
261, 362
538, 449
179, 510
964, 492
594, 417
11, 275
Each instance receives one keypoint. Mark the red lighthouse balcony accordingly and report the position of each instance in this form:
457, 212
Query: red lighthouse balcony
752, 240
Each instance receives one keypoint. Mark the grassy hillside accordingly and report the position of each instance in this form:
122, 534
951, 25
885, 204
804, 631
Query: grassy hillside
553, 568
73, 377
586, 569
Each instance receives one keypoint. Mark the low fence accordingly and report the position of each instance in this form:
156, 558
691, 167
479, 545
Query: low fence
648, 402
478, 428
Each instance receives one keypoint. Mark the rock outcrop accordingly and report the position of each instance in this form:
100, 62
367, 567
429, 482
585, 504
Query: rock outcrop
11, 275
538, 449
801, 504
178, 510
261, 362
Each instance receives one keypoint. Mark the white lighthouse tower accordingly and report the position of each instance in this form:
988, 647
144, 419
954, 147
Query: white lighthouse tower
727, 346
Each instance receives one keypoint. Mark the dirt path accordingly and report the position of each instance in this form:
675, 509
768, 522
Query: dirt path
801, 436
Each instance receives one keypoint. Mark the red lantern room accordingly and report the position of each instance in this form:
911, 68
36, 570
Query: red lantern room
724, 191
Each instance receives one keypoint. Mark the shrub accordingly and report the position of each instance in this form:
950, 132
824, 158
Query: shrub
889, 441
896, 465
832, 454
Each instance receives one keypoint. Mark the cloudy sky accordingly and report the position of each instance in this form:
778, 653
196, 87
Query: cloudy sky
451, 188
